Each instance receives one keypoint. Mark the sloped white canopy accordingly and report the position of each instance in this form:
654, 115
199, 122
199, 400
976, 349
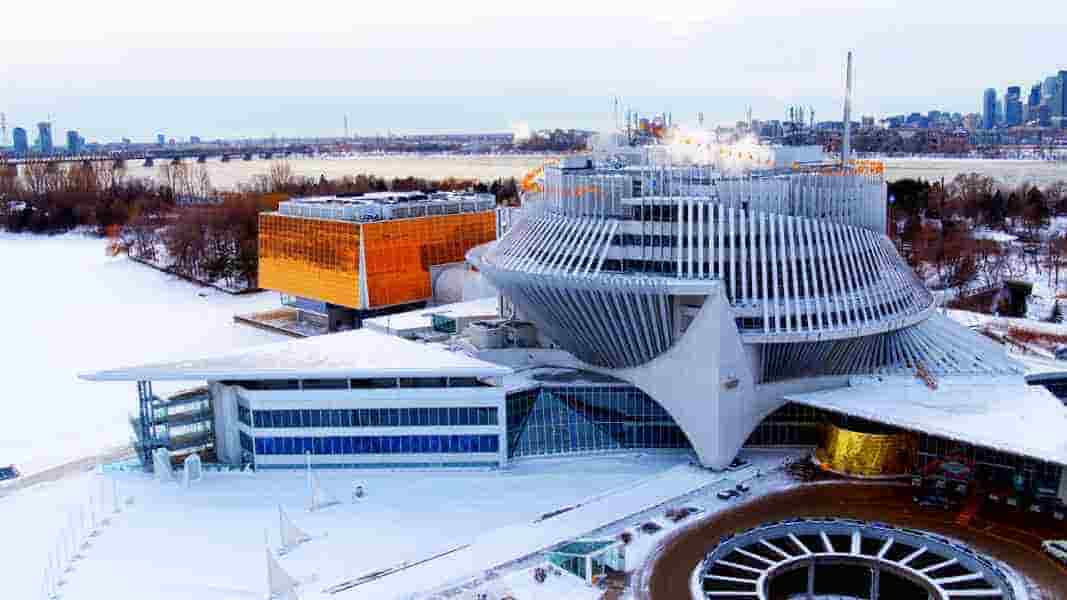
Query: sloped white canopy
1003, 413
350, 354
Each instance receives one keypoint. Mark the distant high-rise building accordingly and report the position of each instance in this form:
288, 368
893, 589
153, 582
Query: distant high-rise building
1049, 87
1044, 116
44, 137
161, 139
194, 139
1013, 106
989, 109
20, 141
127, 141
75, 142
1033, 101
1035, 95
1059, 101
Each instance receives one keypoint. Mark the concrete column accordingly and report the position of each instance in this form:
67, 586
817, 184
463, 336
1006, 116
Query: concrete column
875, 577
811, 580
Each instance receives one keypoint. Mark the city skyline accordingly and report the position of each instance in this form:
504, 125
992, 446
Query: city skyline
240, 76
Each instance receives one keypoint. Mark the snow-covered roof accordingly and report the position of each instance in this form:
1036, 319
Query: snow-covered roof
1003, 413
359, 353
529, 378
422, 318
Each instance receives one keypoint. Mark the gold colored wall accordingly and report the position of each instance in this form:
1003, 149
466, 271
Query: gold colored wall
313, 258
866, 454
399, 254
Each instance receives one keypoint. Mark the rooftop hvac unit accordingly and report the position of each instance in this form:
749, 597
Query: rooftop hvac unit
487, 335
523, 334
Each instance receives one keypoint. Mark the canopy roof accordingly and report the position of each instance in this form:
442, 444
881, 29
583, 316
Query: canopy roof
1003, 413
351, 354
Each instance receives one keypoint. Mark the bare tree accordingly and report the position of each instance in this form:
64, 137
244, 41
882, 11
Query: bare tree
281, 175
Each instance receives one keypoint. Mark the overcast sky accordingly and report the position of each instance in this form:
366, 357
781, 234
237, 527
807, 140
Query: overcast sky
237, 68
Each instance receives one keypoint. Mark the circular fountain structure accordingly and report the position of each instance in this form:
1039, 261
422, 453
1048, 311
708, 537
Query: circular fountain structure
821, 558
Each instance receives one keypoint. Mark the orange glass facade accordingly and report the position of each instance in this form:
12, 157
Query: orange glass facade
319, 259
313, 258
399, 254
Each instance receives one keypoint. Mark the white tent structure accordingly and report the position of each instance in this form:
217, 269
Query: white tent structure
161, 465
193, 469
291, 535
280, 585
318, 497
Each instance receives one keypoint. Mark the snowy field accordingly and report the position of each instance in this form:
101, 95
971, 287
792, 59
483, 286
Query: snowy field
69, 308
206, 542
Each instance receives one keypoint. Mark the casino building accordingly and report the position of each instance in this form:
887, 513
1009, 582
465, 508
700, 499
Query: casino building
643, 306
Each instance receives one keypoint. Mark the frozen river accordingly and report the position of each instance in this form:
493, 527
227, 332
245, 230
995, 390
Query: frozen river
230, 174
68, 308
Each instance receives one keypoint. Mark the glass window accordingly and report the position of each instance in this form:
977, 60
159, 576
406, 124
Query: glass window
325, 384
374, 383
423, 382
464, 382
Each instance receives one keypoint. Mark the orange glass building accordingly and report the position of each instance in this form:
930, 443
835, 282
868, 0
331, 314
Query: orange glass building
369, 252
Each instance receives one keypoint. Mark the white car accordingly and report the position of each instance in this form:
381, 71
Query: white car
1057, 548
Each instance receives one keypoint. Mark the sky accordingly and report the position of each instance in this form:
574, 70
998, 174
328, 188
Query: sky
234, 68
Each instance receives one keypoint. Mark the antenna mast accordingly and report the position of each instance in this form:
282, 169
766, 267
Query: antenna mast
846, 141
3, 129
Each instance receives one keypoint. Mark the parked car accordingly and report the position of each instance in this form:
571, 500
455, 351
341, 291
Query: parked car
737, 463
932, 501
742, 487
1057, 549
8, 472
727, 494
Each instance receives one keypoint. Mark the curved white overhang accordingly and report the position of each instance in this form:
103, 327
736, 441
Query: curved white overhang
1003, 413
353, 354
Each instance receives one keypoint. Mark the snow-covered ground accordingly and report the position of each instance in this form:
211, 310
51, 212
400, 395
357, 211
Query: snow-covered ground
69, 308
206, 542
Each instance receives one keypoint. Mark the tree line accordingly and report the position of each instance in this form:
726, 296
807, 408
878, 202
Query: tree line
953, 233
178, 221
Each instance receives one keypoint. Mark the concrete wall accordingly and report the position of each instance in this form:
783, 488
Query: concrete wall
224, 406
707, 382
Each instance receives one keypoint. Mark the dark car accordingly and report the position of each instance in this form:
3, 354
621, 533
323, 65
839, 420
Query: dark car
8, 472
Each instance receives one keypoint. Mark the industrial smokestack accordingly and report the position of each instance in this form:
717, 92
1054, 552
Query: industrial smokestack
846, 141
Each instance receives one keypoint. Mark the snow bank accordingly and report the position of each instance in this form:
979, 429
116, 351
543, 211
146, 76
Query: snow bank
69, 308
206, 542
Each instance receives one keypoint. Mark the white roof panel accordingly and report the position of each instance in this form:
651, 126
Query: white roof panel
997, 412
359, 353
422, 318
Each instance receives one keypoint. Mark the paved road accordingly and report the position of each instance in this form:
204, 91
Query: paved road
669, 578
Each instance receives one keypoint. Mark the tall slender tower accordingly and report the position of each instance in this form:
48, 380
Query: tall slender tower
3, 129
846, 141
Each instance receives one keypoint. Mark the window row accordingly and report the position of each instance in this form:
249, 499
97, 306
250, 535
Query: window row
376, 417
378, 444
371, 383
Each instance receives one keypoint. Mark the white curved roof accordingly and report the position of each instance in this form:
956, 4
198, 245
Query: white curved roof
1003, 413
351, 354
